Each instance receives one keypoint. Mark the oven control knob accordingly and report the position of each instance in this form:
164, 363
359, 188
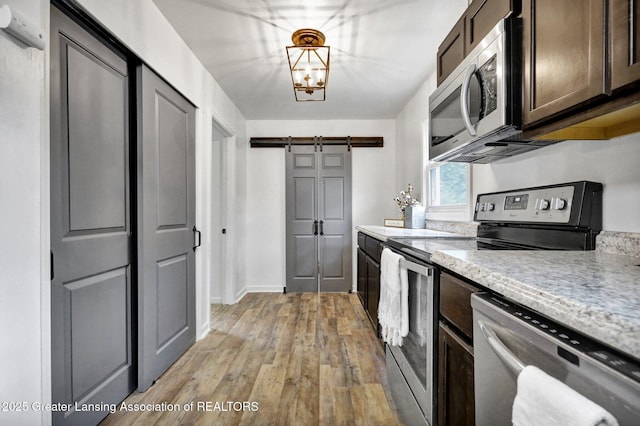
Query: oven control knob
491, 207
544, 204
560, 204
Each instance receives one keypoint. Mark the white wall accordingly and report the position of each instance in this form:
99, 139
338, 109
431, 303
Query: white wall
373, 188
411, 126
24, 164
614, 163
411, 121
24, 175
144, 30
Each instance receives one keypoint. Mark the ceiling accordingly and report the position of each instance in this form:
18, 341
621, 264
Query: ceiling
382, 51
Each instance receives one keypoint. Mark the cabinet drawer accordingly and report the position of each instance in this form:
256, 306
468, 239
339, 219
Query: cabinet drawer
361, 240
451, 52
455, 303
373, 248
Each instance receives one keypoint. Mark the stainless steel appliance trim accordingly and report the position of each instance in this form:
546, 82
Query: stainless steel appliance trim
423, 394
427, 271
533, 211
492, 44
407, 407
449, 85
464, 100
615, 392
500, 349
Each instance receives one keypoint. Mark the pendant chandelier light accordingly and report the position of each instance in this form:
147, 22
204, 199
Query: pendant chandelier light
309, 65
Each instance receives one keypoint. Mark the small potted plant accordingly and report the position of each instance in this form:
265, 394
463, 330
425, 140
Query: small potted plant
412, 210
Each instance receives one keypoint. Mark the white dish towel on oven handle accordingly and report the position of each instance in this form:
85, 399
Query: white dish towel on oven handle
543, 400
393, 307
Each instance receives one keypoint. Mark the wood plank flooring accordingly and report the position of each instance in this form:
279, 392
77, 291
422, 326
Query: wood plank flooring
275, 359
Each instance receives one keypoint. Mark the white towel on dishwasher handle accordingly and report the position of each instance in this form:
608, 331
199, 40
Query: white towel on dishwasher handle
393, 310
543, 400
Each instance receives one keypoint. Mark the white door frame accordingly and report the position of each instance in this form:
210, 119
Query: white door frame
207, 207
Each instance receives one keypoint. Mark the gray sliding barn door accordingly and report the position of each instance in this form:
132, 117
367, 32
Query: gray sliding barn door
334, 212
302, 219
318, 209
92, 359
166, 219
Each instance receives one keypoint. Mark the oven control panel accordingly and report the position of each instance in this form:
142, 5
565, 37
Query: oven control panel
543, 205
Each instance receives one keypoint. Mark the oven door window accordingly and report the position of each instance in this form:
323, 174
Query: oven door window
414, 346
446, 118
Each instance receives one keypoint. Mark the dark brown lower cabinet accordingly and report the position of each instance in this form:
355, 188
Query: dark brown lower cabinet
369, 253
362, 277
455, 350
455, 379
373, 290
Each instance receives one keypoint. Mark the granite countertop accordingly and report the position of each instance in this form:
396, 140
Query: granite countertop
383, 233
595, 293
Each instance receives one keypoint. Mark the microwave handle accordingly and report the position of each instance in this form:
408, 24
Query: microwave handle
464, 100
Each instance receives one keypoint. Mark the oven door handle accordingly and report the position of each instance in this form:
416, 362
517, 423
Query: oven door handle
417, 268
505, 355
464, 100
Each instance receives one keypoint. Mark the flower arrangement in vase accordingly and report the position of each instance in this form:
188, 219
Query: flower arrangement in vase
405, 199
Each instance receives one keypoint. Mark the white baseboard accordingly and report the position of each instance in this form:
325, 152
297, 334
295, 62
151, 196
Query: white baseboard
249, 289
265, 289
204, 330
240, 294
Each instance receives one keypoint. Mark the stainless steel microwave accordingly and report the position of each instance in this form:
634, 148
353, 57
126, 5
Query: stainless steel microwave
475, 114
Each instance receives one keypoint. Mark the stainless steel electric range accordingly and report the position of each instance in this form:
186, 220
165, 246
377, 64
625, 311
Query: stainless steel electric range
555, 217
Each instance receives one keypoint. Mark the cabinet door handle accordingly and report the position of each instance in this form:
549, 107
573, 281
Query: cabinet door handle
322, 227
315, 227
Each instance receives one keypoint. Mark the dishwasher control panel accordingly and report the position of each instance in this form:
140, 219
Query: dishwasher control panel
619, 362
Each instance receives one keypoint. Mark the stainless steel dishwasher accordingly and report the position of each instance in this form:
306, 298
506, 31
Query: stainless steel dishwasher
507, 337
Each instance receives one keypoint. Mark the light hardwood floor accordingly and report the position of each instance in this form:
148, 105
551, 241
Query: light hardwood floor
294, 359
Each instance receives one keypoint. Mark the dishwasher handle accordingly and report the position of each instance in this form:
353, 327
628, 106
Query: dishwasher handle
427, 271
505, 355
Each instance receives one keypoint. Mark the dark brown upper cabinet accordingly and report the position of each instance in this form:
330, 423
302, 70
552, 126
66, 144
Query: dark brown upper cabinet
581, 68
451, 51
564, 55
475, 23
481, 17
625, 42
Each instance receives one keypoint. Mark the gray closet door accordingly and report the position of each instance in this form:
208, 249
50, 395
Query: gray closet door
334, 214
318, 240
302, 219
91, 311
166, 219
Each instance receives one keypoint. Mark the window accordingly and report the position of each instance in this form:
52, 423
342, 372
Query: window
448, 185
